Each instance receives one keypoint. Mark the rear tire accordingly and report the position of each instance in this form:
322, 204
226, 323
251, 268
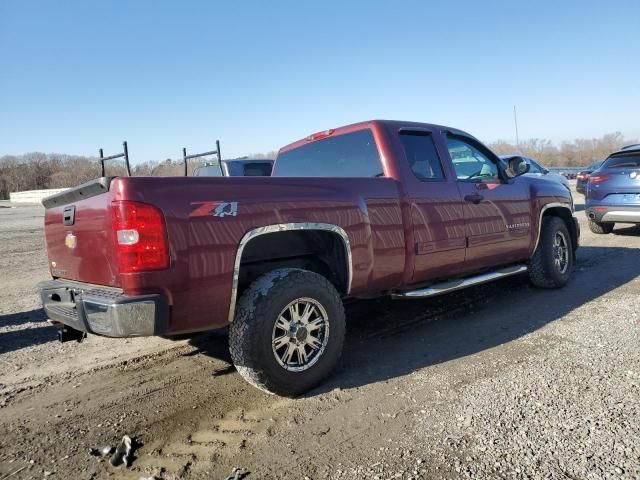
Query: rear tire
552, 262
601, 228
271, 312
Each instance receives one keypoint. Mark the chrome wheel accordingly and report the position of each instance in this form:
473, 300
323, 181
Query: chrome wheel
300, 334
560, 252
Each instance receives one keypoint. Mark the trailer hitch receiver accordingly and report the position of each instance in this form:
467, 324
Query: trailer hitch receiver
68, 334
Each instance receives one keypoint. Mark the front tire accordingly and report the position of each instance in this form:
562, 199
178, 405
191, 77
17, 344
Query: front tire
601, 228
552, 262
288, 332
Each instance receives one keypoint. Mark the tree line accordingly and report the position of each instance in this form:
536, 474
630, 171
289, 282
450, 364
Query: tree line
36, 171
39, 171
577, 153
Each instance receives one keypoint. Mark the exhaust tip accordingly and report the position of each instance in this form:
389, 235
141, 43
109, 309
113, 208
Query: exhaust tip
592, 216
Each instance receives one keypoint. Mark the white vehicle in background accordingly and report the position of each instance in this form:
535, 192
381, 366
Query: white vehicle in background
537, 170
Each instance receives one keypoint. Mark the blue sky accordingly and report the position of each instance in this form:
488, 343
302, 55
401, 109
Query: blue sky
77, 75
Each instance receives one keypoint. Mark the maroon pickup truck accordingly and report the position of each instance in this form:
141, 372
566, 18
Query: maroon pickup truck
404, 209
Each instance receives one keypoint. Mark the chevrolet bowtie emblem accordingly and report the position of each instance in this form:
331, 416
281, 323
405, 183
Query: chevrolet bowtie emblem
71, 240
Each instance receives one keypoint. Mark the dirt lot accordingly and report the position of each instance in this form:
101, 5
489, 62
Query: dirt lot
499, 381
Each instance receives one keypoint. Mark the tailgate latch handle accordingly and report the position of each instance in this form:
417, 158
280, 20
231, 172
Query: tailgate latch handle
69, 215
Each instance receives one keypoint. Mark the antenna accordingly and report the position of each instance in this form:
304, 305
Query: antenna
515, 121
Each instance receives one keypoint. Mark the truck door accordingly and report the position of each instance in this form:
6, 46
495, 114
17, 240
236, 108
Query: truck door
436, 209
497, 213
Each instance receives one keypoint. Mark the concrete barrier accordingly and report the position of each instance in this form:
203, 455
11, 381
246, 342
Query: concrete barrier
34, 196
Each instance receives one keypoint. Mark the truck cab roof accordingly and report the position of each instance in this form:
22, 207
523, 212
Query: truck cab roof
392, 124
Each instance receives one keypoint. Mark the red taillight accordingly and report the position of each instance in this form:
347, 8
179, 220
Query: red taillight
598, 178
582, 176
140, 237
319, 135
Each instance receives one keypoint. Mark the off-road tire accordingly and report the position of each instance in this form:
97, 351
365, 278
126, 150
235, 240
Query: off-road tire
250, 334
601, 228
543, 272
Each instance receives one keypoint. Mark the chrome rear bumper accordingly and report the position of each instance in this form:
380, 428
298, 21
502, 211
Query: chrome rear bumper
104, 311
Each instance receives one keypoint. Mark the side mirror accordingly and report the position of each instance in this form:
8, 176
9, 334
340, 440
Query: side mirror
517, 166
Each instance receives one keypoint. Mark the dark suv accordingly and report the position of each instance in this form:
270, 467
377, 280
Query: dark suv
243, 167
583, 176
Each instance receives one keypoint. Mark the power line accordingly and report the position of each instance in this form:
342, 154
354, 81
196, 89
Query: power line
515, 121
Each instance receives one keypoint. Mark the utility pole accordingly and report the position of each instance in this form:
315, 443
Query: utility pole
515, 121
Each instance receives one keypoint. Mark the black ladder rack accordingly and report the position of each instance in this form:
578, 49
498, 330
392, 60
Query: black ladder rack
124, 154
216, 152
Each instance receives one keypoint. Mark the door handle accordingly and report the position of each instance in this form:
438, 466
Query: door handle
474, 198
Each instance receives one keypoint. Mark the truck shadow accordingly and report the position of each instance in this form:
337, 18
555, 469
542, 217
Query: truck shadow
18, 338
20, 318
388, 339
627, 231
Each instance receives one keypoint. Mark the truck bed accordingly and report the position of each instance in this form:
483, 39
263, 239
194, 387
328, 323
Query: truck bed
203, 246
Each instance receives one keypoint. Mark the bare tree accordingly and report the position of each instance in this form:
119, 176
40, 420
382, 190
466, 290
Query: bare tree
576, 153
35, 171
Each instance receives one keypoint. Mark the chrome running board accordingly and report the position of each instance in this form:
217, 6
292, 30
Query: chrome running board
440, 288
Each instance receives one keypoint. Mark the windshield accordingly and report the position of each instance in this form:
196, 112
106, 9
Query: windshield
623, 161
349, 155
534, 167
595, 165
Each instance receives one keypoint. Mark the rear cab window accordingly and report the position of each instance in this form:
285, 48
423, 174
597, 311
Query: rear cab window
623, 161
352, 154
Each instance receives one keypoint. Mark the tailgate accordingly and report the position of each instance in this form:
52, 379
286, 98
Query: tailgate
78, 234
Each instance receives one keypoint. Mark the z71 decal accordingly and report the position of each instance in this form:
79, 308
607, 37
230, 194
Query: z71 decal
214, 209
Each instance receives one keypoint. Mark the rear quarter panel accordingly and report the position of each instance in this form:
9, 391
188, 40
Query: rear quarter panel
203, 248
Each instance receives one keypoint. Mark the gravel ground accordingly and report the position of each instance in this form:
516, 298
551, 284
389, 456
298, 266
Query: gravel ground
498, 381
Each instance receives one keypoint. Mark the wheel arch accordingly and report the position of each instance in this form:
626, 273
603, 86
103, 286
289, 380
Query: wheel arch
562, 211
255, 238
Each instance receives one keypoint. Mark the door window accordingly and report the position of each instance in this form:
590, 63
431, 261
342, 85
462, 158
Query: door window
421, 155
469, 163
